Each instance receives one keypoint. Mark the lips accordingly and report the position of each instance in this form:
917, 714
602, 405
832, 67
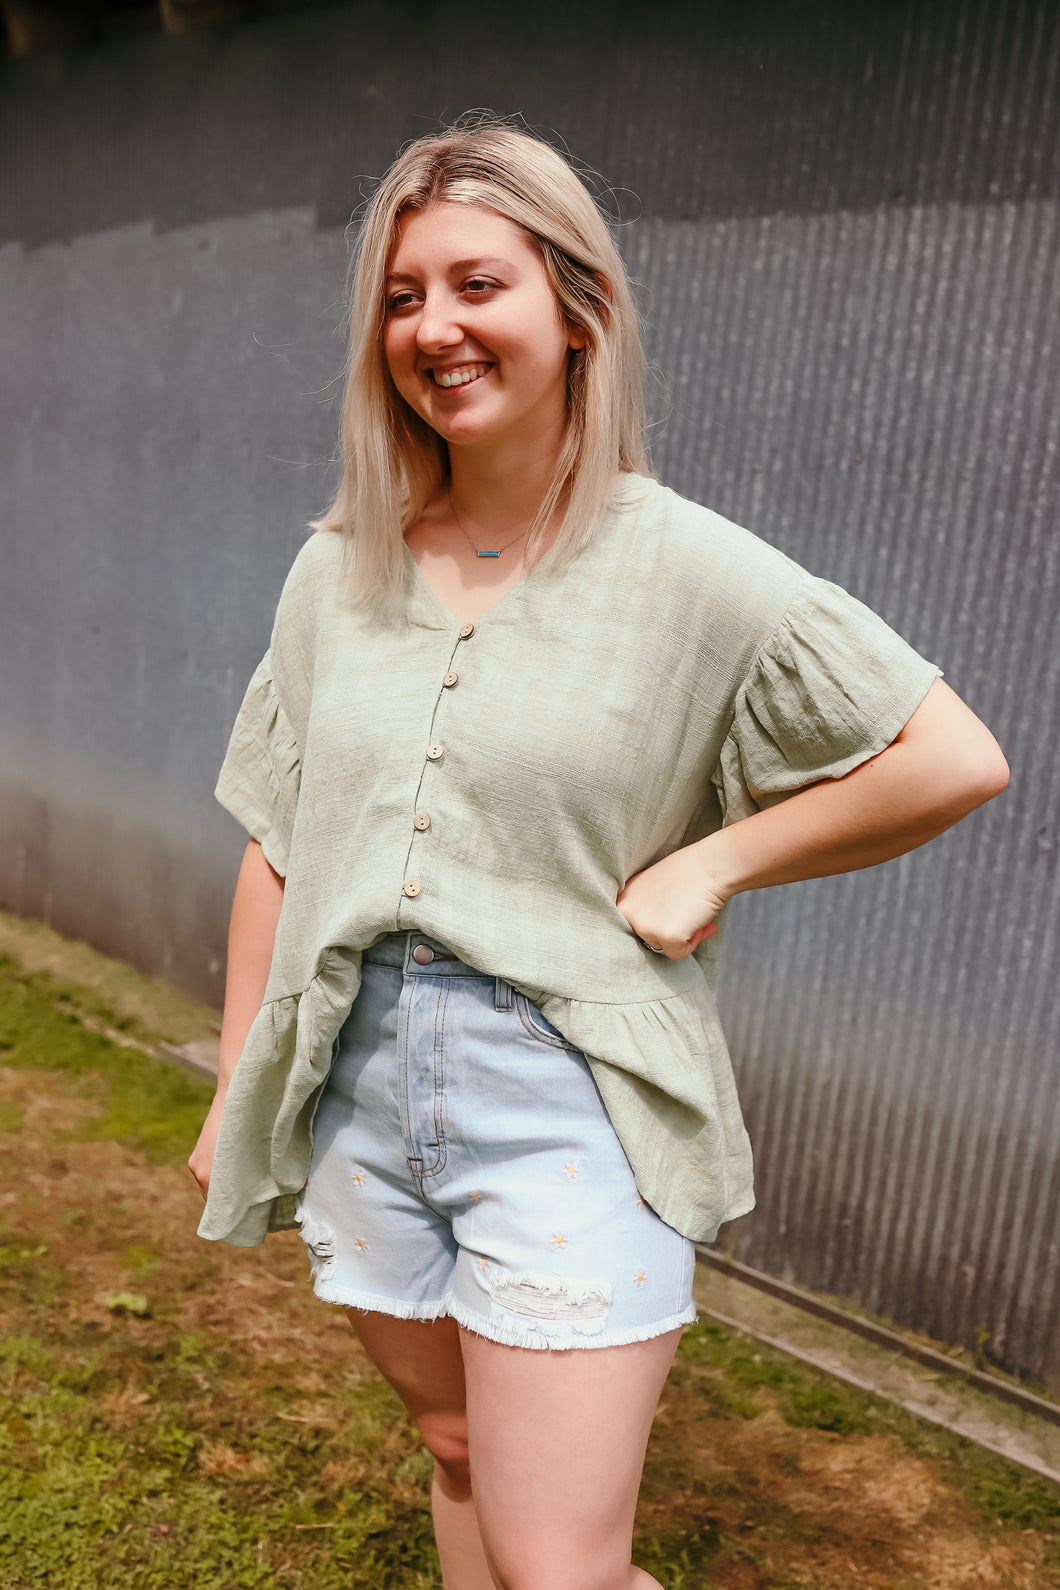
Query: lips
462, 375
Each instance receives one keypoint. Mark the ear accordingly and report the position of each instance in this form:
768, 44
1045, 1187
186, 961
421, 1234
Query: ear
576, 337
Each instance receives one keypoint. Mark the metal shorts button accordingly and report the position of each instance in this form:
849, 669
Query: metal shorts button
423, 955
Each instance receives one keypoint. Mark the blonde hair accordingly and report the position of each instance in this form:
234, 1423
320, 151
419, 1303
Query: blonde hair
391, 459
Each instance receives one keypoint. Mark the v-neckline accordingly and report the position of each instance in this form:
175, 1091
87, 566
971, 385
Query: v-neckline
610, 517
440, 606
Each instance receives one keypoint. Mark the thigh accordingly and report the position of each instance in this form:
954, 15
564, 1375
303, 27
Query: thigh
557, 1442
422, 1360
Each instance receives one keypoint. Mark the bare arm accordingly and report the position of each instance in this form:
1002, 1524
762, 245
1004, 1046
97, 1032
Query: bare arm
251, 933
943, 764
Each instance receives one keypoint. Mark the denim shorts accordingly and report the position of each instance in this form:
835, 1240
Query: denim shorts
464, 1164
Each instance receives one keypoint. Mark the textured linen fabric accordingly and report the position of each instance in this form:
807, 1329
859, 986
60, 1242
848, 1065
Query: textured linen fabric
679, 674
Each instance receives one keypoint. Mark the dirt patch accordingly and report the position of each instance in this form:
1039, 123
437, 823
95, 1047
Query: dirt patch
786, 1506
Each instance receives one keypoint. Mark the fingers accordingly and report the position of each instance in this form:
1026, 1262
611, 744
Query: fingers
202, 1182
681, 949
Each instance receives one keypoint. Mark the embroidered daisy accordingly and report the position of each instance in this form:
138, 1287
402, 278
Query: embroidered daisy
558, 1240
570, 1169
358, 1178
361, 1245
640, 1278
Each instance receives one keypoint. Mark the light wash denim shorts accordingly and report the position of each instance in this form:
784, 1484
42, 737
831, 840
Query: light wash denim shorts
464, 1164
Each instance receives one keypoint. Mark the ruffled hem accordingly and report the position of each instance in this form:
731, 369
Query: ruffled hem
664, 1073
661, 1065
833, 686
258, 1175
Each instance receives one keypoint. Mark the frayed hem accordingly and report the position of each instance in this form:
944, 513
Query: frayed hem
538, 1341
348, 1297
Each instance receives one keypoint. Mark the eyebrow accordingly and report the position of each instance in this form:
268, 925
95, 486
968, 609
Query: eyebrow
457, 268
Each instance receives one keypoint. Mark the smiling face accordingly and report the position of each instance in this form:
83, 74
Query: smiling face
473, 335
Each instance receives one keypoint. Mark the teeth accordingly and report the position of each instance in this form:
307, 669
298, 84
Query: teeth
460, 377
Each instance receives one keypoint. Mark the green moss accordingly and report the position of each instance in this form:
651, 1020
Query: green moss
805, 1400
88, 1501
129, 1096
679, 1558
12, 1117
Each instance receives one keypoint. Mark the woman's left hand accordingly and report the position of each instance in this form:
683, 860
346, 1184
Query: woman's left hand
672, 905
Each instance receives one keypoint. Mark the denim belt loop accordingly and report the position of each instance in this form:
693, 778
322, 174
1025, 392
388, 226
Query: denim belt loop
504, 994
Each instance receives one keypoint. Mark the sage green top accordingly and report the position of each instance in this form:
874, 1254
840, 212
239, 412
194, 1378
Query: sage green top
680, 673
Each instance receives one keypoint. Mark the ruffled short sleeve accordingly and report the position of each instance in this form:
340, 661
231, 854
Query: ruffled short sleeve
831, 687
261, 772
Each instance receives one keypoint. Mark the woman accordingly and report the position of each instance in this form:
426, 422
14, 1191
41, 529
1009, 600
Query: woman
528, 721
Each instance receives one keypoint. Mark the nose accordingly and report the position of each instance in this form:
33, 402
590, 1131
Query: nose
437, 327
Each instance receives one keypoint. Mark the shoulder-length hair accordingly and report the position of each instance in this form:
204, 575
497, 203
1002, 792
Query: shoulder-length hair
391, 460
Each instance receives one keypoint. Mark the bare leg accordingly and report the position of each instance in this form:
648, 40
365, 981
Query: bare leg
423, 1363
557, 1442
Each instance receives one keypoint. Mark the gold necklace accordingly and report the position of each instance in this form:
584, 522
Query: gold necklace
471, 544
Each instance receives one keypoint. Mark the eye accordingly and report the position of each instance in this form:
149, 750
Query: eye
479, 286
396, 302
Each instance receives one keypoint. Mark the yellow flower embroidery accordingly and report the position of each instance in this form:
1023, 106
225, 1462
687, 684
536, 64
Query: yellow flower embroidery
483, 1262
558, 1240
362, 1245
640, 1278
475, 1197
570, 1169
358, 1178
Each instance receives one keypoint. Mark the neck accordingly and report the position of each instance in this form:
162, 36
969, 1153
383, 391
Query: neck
502, 492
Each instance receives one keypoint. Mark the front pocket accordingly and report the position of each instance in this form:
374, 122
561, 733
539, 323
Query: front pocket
537, 1025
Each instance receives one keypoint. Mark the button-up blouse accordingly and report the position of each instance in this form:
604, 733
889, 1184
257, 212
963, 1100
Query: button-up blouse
494, 784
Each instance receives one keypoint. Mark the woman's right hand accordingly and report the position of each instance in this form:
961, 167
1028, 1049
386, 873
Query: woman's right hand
200, 1160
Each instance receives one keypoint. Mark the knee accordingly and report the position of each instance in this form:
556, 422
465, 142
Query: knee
445, 1437
580, 1567
564, 1576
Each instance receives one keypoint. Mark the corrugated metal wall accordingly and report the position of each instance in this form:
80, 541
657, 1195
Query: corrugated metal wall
845, 224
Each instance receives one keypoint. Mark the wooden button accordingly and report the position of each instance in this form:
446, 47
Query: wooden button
411, 888
467, 630
450, 680
423, 820
434, 752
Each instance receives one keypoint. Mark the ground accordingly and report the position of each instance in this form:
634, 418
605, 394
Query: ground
177, 1413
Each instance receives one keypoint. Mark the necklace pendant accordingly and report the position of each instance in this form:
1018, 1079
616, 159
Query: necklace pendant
489, 554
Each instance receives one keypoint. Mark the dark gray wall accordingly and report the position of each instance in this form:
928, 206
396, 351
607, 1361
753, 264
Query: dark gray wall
845, 223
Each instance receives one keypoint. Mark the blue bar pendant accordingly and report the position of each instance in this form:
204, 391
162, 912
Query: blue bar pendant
489, 554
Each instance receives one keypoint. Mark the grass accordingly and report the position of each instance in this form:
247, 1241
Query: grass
221, 1426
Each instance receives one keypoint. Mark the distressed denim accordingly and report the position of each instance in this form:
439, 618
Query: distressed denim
464, 1164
